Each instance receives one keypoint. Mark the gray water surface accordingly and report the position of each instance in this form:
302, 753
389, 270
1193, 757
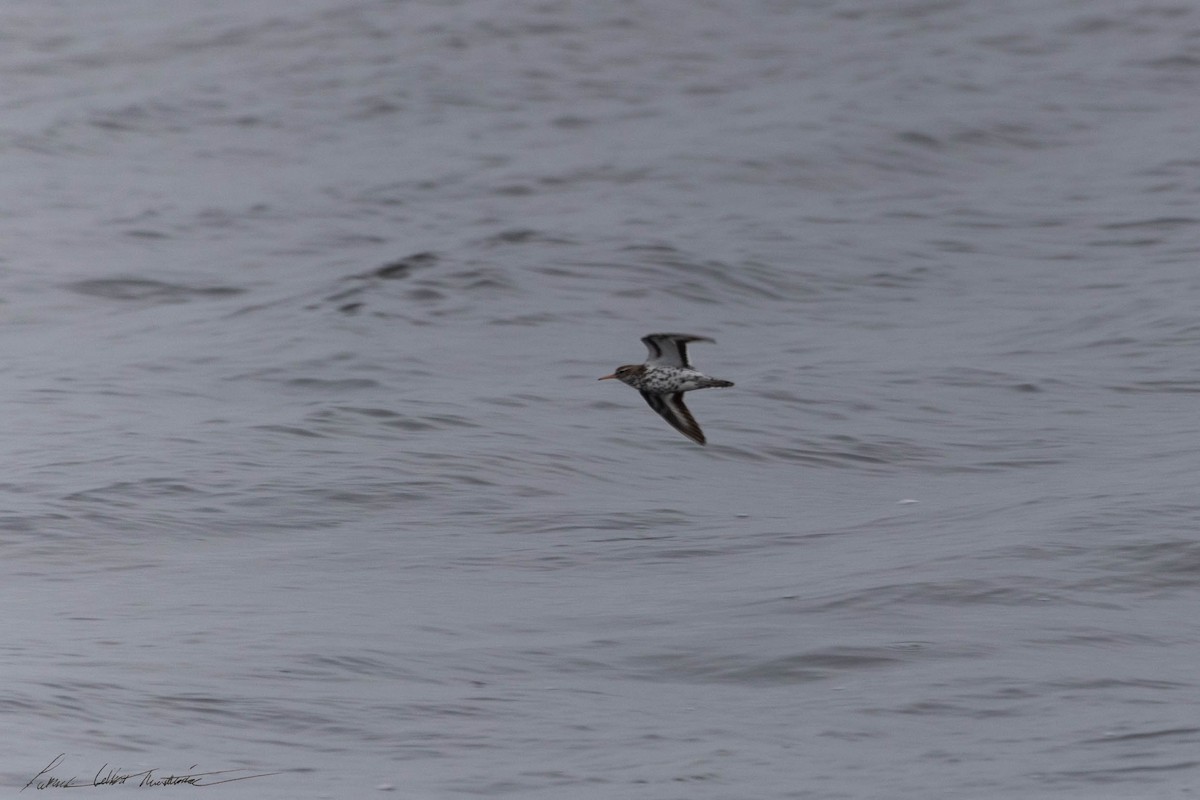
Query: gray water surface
308, 471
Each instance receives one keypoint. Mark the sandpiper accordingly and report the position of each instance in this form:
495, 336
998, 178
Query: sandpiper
664, 378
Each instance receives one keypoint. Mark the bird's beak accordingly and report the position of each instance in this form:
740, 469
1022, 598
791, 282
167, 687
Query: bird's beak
607, 377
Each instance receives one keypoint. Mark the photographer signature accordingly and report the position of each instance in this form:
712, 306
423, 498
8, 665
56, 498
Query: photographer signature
106, 776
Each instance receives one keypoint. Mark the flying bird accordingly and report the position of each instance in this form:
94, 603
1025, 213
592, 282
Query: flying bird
664, 378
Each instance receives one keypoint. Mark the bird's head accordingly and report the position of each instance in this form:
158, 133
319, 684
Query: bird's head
627, 373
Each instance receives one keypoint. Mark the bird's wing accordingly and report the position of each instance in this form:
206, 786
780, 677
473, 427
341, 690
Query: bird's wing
671, 408
670, 349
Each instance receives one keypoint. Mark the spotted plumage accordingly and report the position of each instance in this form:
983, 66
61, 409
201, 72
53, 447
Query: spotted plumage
664, 378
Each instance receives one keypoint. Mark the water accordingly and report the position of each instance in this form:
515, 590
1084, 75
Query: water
308, 472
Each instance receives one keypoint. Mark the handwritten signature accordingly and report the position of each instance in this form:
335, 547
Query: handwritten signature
106, 776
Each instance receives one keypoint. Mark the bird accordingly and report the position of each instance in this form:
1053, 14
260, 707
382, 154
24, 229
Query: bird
664, 378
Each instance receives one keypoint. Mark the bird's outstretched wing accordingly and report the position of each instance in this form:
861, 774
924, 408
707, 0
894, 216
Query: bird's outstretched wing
670, 349
671, 408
